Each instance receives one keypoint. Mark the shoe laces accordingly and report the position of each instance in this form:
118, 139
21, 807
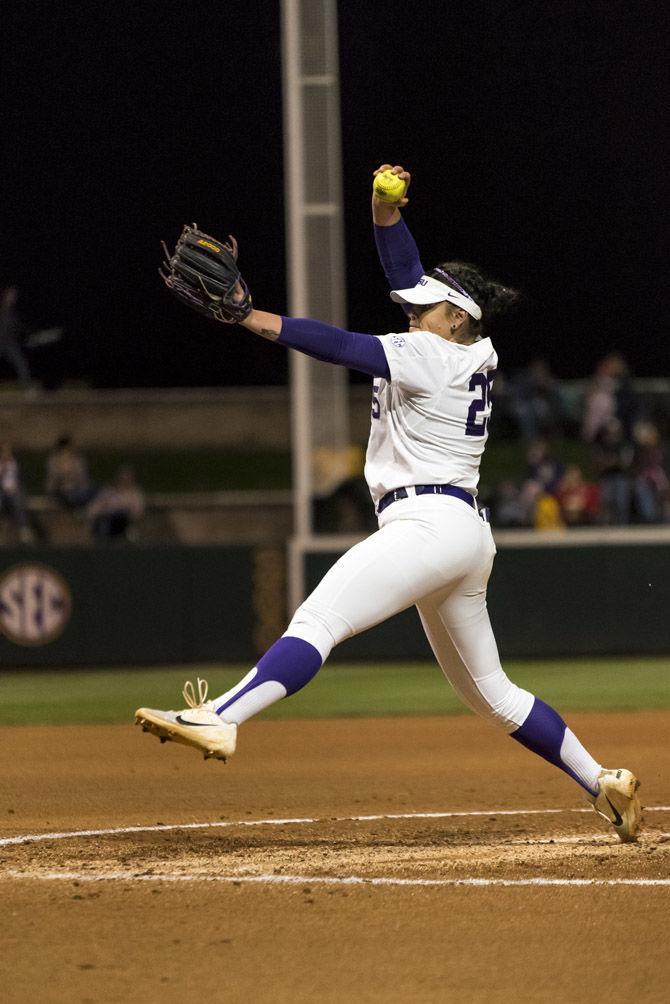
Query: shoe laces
189, 694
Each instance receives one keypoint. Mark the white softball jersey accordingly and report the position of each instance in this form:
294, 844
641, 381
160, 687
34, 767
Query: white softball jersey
430, 420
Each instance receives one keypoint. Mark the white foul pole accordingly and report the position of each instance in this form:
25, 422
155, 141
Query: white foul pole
315, 245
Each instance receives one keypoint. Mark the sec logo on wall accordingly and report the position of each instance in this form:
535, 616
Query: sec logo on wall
35, 604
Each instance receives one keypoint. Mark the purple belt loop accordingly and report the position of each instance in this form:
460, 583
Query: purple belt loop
401, 493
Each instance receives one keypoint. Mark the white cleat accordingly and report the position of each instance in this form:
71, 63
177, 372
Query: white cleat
198, 725
618, 803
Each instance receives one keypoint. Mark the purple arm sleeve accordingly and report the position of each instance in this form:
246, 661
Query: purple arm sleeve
335, 345
398, 255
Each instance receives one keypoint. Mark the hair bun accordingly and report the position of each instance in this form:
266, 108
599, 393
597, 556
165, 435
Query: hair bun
492, 297
498, 299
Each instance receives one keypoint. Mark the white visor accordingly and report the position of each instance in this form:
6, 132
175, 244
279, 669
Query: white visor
429, 290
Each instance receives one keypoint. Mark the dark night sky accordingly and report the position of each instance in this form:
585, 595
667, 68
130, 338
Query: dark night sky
535, 133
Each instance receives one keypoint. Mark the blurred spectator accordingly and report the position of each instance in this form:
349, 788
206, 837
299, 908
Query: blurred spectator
547, 513
610, 396
11, 330
68, 479
116, 507
535, 401
543, 468
341, 502
651, 486
12, 497
510, 509
612, 458
579, 499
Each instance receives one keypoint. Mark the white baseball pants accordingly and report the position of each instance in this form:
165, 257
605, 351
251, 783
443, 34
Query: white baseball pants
434, 552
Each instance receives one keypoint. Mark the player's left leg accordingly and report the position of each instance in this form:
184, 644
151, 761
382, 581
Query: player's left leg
211, 725
384, 574
374, 580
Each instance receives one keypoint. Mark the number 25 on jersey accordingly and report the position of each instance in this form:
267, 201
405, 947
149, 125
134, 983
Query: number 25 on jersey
479, 411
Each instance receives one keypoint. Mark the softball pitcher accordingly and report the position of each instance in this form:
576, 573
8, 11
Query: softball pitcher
431, 404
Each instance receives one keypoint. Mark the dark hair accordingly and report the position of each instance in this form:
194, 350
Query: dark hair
492, 297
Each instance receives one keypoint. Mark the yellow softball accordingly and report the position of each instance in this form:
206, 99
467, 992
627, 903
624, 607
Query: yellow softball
389, 187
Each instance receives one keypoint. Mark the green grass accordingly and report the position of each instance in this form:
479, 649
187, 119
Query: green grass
111, 695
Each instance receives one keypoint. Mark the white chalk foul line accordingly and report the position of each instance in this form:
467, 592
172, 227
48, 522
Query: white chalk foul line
310, 880
297, 821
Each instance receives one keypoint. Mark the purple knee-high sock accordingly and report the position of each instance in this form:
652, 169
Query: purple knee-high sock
286, 667
544, 732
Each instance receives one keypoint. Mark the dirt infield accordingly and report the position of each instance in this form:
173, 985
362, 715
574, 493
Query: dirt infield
354, 860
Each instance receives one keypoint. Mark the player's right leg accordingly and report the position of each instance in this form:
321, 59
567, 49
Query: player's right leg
458, 628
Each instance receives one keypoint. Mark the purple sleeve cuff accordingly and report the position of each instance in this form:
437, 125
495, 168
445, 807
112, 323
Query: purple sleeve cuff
398, 255
335, 345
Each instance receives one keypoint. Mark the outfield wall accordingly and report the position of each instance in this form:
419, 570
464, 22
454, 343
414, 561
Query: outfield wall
584, 592
588, 593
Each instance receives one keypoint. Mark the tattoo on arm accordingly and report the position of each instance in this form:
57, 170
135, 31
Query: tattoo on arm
269, 334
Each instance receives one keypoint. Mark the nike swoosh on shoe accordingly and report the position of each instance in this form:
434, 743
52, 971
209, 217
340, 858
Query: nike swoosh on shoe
618, 819
206, 725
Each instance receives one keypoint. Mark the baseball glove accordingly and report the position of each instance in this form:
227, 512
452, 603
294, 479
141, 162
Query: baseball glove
202, 272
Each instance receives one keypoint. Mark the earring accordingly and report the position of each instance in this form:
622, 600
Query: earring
453, 328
